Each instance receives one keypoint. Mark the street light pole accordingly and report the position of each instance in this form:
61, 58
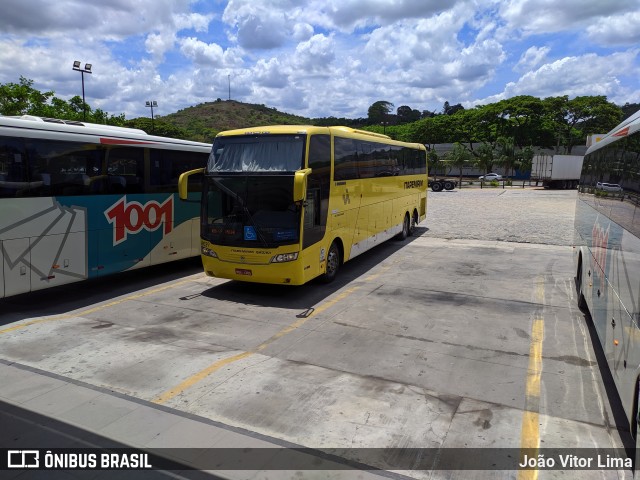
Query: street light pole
151, 103
86, 69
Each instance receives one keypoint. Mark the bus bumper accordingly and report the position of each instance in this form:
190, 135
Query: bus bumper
288, 273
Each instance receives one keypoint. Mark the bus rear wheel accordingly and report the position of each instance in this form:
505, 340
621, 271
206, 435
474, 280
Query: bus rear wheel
406, 228
333, 264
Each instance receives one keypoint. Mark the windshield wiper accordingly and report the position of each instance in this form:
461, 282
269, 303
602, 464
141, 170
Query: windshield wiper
245, 210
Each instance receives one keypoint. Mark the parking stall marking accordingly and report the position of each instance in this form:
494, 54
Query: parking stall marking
214, 367
530, 433
68, 316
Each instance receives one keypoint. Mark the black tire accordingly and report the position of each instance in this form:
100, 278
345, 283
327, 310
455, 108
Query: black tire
436, 186
414, 224
333, 264
448, 185
406, 228
582, 303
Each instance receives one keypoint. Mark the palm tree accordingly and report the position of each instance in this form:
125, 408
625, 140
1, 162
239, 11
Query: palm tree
507, 156
485, 157
459, 157
434, 161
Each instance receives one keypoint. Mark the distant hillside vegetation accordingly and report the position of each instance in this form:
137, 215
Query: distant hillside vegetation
204, 121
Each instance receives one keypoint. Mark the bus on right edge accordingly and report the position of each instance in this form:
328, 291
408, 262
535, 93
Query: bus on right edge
607, 254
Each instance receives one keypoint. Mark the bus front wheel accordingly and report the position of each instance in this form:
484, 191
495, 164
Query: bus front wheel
333, 263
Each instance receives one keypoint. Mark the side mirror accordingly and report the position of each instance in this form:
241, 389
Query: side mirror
300, 185
183, 182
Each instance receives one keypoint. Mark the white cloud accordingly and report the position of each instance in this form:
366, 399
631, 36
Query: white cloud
271, 74
588, 74
202, 53
616, 30
547, 16
315, 55
259, 26
349, 15
532, 58
321, 57
157, 45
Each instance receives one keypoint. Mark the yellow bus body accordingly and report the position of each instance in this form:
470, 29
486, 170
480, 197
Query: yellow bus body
362, 213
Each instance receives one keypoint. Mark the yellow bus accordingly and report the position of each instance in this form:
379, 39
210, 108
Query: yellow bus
286, 204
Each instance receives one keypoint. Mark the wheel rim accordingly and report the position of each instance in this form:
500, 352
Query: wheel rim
405, 226
332, 261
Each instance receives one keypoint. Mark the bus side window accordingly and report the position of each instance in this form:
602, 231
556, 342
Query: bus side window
167, 166
63, 168
125, 169
13, 168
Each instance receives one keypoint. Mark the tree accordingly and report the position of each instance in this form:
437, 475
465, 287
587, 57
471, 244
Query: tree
406, 115
572, 120
485, 157
434, 160
459, 157
430, 131
507, 155
524, 118
160, 128
379, 111
451, 109
526, 159
629, 109
21, 98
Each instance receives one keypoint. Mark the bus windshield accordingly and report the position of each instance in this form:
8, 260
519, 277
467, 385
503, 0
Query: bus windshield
260, 153
250, 211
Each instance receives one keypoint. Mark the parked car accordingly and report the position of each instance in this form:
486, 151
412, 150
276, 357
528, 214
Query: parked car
490, 177
608, 187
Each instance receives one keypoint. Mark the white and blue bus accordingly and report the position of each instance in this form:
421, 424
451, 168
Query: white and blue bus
607, 254
80, 200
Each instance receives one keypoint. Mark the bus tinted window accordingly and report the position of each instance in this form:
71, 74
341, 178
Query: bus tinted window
13, 168
64, 168
166, 166
365, 159
345, 159
125, 168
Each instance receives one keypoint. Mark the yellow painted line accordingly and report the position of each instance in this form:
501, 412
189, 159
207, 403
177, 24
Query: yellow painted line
94, 309
214, 367
530, 432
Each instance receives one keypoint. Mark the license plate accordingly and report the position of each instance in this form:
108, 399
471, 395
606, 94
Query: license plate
242, 271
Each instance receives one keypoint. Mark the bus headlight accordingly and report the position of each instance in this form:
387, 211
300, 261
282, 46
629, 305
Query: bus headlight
284, 257
208, 252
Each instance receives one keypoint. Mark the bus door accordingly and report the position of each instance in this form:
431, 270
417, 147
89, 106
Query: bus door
317, 201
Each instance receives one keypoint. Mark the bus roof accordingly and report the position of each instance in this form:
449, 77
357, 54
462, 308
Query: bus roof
30, 122
627, 127
312, 129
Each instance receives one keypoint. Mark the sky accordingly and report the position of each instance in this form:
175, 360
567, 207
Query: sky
321, 58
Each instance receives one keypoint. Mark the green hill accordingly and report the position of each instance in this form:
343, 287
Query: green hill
204, 121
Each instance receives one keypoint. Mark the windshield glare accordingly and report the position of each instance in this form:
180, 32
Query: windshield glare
260, 153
